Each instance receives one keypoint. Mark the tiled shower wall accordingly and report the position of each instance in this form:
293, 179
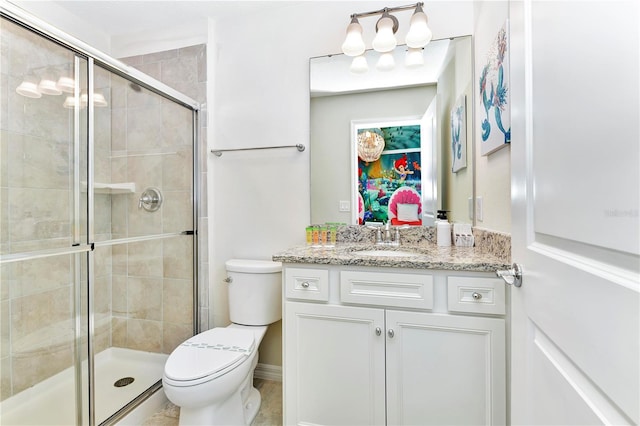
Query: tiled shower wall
143, 291
185, 70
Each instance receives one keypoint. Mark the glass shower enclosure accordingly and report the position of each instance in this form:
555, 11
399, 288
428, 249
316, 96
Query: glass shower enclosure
97, 230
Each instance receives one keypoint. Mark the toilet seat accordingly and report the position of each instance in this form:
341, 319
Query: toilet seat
208, 355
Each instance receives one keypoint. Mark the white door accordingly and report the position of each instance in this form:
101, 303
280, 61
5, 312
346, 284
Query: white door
429, 154
575, 191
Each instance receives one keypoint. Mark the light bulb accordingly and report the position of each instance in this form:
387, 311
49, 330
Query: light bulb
385, 41
359, 65
419, 34
414, 58
353, 44
386, 62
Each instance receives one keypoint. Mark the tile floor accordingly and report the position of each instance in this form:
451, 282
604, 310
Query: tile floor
270, 413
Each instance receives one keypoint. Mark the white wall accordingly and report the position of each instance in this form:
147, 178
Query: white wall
493, 172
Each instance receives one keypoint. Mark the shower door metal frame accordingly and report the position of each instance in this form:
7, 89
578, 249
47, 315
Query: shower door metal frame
96, 57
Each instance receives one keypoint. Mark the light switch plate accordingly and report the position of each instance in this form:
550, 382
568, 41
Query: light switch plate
345, 206
479, 209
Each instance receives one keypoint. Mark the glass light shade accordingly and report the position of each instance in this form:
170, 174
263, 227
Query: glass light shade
414, 58
99, 100
49, 85
29, 87
359, 65
384, 41
419, 34
70, 102
386, 62
353, 44
84, 100
66, 84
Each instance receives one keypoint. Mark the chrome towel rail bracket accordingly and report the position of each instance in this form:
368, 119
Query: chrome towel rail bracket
218, 152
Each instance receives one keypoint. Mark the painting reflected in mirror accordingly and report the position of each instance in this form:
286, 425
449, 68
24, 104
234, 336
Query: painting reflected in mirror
388, 172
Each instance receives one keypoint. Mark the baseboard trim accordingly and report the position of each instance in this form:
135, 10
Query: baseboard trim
268, 372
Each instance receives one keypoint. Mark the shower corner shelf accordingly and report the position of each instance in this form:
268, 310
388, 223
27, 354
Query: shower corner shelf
112, 188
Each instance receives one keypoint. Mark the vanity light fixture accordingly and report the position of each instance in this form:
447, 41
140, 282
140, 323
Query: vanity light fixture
418, 36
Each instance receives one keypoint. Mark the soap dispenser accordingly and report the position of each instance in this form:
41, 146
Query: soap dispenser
443, 229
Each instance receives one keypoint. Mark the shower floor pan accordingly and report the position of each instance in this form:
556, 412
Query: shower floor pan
52, 402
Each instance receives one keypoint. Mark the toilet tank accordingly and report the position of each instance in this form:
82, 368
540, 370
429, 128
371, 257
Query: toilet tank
255, 291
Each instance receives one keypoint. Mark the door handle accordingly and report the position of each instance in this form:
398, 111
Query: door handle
512, 276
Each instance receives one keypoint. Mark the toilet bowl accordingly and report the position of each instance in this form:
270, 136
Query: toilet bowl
210, 375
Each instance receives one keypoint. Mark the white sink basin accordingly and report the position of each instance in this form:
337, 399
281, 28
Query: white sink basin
386, 253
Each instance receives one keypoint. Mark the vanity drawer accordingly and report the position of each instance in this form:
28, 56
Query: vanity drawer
476, 295
306, 284
386, 289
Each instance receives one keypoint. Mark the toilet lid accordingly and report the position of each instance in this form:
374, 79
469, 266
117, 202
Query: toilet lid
209, 353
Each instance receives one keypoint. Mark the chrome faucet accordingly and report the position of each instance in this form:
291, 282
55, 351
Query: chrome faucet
388, 239
387, 232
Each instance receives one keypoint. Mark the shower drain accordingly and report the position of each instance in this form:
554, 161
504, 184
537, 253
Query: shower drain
123, 382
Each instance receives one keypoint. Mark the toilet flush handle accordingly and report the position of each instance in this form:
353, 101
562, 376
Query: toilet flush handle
228, 280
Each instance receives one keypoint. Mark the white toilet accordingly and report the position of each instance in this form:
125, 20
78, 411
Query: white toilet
210, 376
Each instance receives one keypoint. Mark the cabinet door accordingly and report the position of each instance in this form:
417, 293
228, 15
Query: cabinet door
333, 365
445, 370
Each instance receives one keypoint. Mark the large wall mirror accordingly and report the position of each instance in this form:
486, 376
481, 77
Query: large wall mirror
424, 116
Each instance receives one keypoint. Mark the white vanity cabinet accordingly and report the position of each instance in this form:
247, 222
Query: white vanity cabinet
384, 346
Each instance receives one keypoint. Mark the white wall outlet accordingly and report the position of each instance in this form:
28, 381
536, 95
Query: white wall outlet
470, 207
345, 206
479, 209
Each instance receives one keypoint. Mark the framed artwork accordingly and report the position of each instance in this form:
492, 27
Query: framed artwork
459, 135
388, 176
494, 95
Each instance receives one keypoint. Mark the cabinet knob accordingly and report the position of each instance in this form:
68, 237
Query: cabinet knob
476, 296
305, 284
391, 333
378, 331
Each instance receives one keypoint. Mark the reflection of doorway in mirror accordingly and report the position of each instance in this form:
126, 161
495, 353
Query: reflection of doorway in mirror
390, 187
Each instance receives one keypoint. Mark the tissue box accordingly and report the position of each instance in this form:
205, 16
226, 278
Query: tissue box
462, 235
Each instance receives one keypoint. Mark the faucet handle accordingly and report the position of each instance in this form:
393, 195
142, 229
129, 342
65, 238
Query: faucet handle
378, 232
398, 228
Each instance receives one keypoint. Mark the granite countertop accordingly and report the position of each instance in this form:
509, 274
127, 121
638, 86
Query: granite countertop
428, 256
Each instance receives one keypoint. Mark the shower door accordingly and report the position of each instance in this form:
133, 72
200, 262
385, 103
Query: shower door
97, 233
144, 243
45, 246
